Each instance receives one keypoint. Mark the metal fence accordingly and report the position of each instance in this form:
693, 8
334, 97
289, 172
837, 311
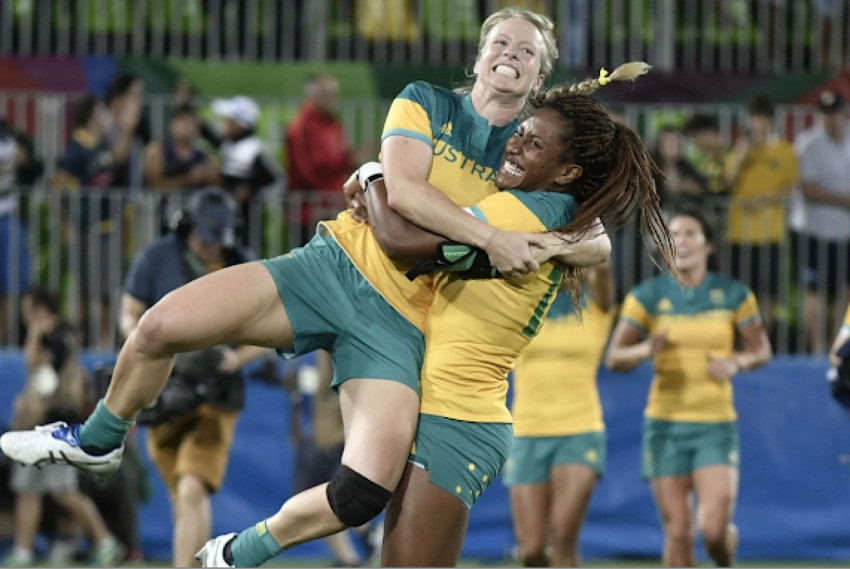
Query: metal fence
56, 239
750, 36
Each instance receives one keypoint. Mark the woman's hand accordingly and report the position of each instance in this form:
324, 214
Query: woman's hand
354, 199
722, 369
511, 252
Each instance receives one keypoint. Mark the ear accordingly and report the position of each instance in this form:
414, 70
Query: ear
570, 174
709, 249
476, 67
538, 83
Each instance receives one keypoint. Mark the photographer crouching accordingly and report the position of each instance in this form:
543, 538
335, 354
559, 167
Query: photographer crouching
193, 421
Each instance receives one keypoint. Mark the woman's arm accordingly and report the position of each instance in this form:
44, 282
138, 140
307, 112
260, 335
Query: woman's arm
600, 286
840, 339
406, 162
756, 353
627, 350
400, 239
592, 249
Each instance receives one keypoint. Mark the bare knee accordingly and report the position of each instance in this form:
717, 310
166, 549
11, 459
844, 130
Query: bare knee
713, 530
192, 493
154, 336
679, 533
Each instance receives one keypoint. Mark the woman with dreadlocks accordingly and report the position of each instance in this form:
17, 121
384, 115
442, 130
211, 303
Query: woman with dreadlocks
588, 168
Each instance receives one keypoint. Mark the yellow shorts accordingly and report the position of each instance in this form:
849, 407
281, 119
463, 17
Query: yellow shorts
196, 443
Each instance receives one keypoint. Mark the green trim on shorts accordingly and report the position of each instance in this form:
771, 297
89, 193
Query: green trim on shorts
677, 448
331, 306
533, 458
461, 457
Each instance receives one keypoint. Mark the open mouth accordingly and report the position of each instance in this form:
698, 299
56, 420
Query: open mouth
507, 70
513, 169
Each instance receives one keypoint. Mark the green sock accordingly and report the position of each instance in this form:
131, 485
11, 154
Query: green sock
254, 546
103, 430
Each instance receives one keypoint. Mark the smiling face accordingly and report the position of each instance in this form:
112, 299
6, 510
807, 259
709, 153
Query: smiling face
534, 155
692, 248
510, 59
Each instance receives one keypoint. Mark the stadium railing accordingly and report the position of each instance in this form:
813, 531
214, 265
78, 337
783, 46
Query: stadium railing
81, 243
747, 36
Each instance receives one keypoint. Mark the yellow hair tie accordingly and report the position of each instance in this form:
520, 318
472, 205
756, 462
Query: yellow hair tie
603, 77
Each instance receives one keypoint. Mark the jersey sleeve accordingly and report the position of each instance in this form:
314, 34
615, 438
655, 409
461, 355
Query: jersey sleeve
747, 310
533, 212
412, 112
635, 309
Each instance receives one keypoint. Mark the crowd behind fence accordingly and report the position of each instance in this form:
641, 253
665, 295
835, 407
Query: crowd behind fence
46, 118
747, 36
57, 248
52, 227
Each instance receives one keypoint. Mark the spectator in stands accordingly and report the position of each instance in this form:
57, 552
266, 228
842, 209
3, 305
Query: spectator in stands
707, 152
57, 389
318, 156
190, 446
761, 170
127, 129
178, 163
245, 166
177, 166
825, 179
14, 254
681, 184
89, 163
317, 430
690, 432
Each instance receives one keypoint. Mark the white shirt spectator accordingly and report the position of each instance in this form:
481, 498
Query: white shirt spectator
826, 163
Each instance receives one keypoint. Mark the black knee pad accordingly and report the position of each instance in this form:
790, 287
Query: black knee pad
354, 498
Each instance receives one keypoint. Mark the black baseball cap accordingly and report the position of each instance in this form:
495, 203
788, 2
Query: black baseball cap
213, 216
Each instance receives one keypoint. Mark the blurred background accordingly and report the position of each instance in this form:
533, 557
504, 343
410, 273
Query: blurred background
108, 123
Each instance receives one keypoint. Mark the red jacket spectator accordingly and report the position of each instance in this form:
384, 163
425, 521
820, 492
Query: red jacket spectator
318, 154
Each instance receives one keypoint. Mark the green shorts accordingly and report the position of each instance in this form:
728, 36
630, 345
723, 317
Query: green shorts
532, 458
461, 457
674, 448
332, 306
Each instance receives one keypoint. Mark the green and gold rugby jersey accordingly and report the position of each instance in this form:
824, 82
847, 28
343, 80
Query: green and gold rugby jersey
467, 154
477, 328
700, 321
555, 390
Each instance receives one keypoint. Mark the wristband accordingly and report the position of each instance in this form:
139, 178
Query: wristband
369, 173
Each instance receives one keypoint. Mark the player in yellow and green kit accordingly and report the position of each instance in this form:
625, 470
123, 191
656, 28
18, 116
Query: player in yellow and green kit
477, 328
558, 450
690, 436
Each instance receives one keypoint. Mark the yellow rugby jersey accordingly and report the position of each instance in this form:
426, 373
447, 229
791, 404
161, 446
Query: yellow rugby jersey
845, 326
477, 329
555, 377
699, 321
767, 170
467, 154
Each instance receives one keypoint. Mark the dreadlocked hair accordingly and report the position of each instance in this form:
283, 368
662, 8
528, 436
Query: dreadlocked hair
617, 169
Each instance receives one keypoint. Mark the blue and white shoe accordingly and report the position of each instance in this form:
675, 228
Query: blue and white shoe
57, 443
212, 553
